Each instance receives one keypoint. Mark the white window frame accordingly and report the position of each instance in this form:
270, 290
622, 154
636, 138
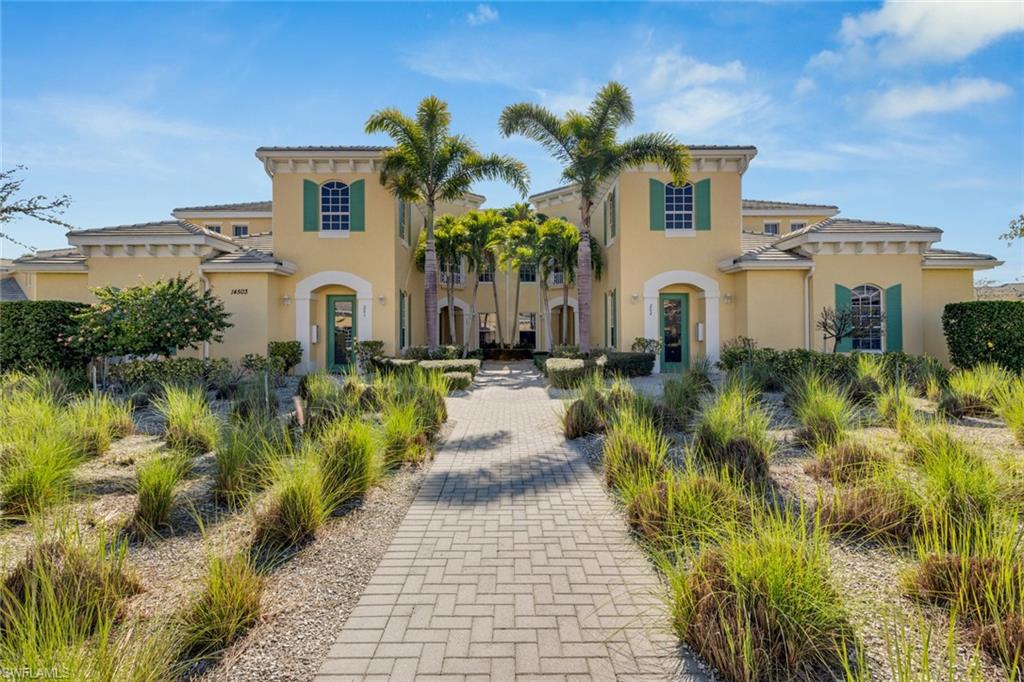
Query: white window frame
213, 227
881, 323
793, 227
234, 229
776, 223
345, 217
691, 214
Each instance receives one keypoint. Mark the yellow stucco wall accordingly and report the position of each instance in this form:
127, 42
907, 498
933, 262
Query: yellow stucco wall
941, 287
770, 307
255, 225
247, 299
881, 270
126, 271
61, 286
755, 223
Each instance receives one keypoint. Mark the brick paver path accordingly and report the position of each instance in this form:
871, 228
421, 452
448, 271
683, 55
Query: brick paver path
511, 563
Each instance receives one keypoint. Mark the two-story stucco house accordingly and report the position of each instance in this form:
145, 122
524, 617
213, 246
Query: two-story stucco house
330, 259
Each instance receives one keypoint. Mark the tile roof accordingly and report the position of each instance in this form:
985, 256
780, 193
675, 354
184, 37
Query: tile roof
755, 204
260, 241
160, 228
325, 148
10, 290
245, 256
938, 255
262, 206
771, 254
56, 256
851, 225
751, 241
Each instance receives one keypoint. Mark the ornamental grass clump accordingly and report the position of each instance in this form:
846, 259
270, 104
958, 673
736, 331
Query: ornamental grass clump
350, 461
681, 399
325, 399
255, 399
882, 507
687, 507
847, 462
961, 487
732, 432
825, 412
228, 604
95, 420
895, 406
63, 592
295, 506
972, 392
157, 479
634, 450
761, 604
190, 426
1009, 406
37, 456
586, 414
243, 450
402, 434
427, 390
867, 377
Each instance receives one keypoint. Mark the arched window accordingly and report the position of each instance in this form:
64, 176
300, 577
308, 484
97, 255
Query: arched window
678, 207
334, 206
866, 302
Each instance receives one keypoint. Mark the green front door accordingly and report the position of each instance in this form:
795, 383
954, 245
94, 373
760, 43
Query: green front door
341, 331
675, 332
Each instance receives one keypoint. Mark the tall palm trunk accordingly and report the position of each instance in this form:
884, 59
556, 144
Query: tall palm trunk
430, 279
473, 342
565, 308
546, 313
515, 312
452, 336
584, 277
497, 308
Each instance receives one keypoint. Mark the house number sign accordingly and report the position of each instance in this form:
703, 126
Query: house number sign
239, 292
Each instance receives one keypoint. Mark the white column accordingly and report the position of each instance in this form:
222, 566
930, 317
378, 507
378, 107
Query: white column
364, 325
712, 324
303, 331
651, 326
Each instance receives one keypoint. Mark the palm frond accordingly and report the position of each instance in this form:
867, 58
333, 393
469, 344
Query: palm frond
538, 124
660, 148
611, 109
399, 127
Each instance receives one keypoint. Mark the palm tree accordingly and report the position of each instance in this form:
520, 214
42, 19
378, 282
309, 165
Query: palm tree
479, 226
450, 237
559, 247
585, 144
509, 245
427, 165
526, 220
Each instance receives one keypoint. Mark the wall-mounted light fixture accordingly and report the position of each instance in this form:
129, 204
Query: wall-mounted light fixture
634, 297
286, 299
727, 298
381, 299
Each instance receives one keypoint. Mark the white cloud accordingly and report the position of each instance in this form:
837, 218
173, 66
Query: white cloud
908, 101
904, 32
483, 14
709, 112
674, 70
804, 85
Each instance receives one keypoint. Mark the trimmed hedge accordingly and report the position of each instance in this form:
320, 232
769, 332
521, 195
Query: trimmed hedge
539, 358
507, 354
458, 381
629, 364
979, 332
31, 331
177, 370
565, 372
289, 352
469, 365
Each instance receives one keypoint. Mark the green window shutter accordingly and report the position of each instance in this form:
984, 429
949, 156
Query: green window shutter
357, 206
605, 222
400, 217
702, 204
612, 210
844, 301
657, 205
894, 318
310, 206
607, 320
615, 318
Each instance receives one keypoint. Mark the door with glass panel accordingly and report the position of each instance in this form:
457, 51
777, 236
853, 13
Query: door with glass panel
341, 331
675, 332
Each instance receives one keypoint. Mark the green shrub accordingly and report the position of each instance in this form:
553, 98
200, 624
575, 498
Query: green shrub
157, 479
287, 353
539, 359
634, 450
470, 365
979, 332
458, 381
256, 364
440, 353
367, 353
1009, 405
40, 334
823, 410
762, 605
732, 432
972, 392
255, 399
629, 364
296, 506
687, 507
586, 414
402, 434
227, 605
566, 351
189, 425
216, 373
565, 372
349, 459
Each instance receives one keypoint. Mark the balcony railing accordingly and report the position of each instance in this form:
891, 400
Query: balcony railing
556, 279
457, 278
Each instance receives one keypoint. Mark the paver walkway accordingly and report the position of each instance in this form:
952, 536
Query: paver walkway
511, 563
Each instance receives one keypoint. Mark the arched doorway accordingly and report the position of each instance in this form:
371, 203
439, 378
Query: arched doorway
337, 307
559, 311
462, 321
681, 309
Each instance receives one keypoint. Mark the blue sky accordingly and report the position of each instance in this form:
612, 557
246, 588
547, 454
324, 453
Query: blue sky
906, 112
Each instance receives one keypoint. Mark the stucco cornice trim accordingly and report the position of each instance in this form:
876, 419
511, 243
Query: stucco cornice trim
282, 268
961, 264
51, 267
731, 266
185, 215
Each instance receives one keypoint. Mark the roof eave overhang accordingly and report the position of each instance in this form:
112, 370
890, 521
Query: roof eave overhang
50, 267
185, 215
813, 239
733, 266
114, 239
282, 268
319, 161
828, 212
961, 264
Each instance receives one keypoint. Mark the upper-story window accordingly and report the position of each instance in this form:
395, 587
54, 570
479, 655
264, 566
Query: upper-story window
486, 273
528, 273
678, 207
334, 206
612, 224
793, 227
866, 304
213, 227
771, 228
240, 230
